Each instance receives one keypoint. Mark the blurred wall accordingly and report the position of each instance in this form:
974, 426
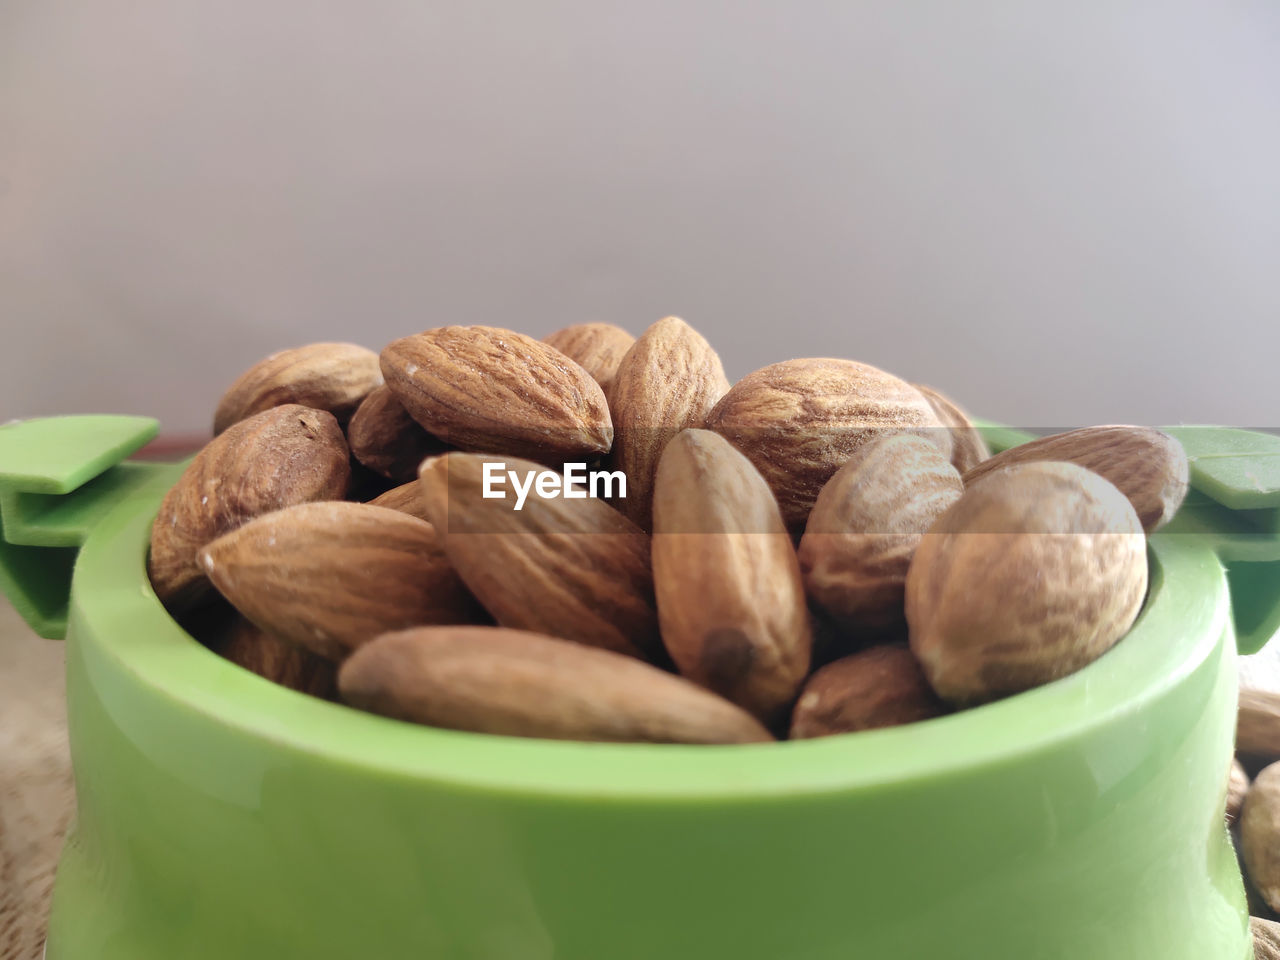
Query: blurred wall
1060, 213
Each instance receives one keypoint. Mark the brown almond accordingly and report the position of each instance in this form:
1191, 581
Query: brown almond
596, 347
324, 376
1258, 724
1148, 466
493, 390
866, 525
388, 441
332, 576
1260, 834
501, 681
1237, 787
730, 600
286, 455
1034, 573
801, 420
1266, 938
571, 568
248, 645
878, 687
968, 446
407, 498
669, 380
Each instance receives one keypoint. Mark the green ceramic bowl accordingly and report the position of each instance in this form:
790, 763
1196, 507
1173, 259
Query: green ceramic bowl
223, 817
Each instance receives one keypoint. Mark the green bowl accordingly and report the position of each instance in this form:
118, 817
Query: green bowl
221, 816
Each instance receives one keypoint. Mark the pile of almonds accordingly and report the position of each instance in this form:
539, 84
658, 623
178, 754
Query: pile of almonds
817, 549
1253, 812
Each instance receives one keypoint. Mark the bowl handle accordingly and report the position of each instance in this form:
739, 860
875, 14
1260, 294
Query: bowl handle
58, 477
1234, 506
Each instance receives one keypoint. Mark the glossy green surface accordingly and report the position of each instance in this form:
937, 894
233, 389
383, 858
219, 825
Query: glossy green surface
1238, 468
223, 817
1080, 820
58, 454
58, 476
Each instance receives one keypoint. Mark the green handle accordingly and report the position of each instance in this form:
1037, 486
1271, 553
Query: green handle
58, 476
1234, 503
1233, 506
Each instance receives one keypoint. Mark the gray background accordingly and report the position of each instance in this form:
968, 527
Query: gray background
1060, 213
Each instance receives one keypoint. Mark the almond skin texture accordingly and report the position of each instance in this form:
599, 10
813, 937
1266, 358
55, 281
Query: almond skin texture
249, 646
286, 455
493, 390
407, 498
329, 577
1237, 787
730, 599
866, 525
323, 376
877, 687
1034, 573
1266, 938
968, 448
388, 441
801, 420
596, 347
571, 568
668, 381
495, 680
1149, 467
1258, 724
1260, 835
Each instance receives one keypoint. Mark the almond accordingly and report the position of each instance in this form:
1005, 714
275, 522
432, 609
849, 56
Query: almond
866, 525
1258, 724
1254, 903
407, 498
878, 687
596, 347
1260, 834
1148, 466
1237, 787
572, 568
323, 376
1266, 938
968, 446
249, 646
1032, 574
730, 600
332, 576
799, 421
495, 680
493, 390
669, 380
388, 441
282, 456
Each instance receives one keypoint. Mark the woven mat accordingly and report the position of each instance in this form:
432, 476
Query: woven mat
36, 796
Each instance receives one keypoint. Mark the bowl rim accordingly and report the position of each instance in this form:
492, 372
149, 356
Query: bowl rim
115, 610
